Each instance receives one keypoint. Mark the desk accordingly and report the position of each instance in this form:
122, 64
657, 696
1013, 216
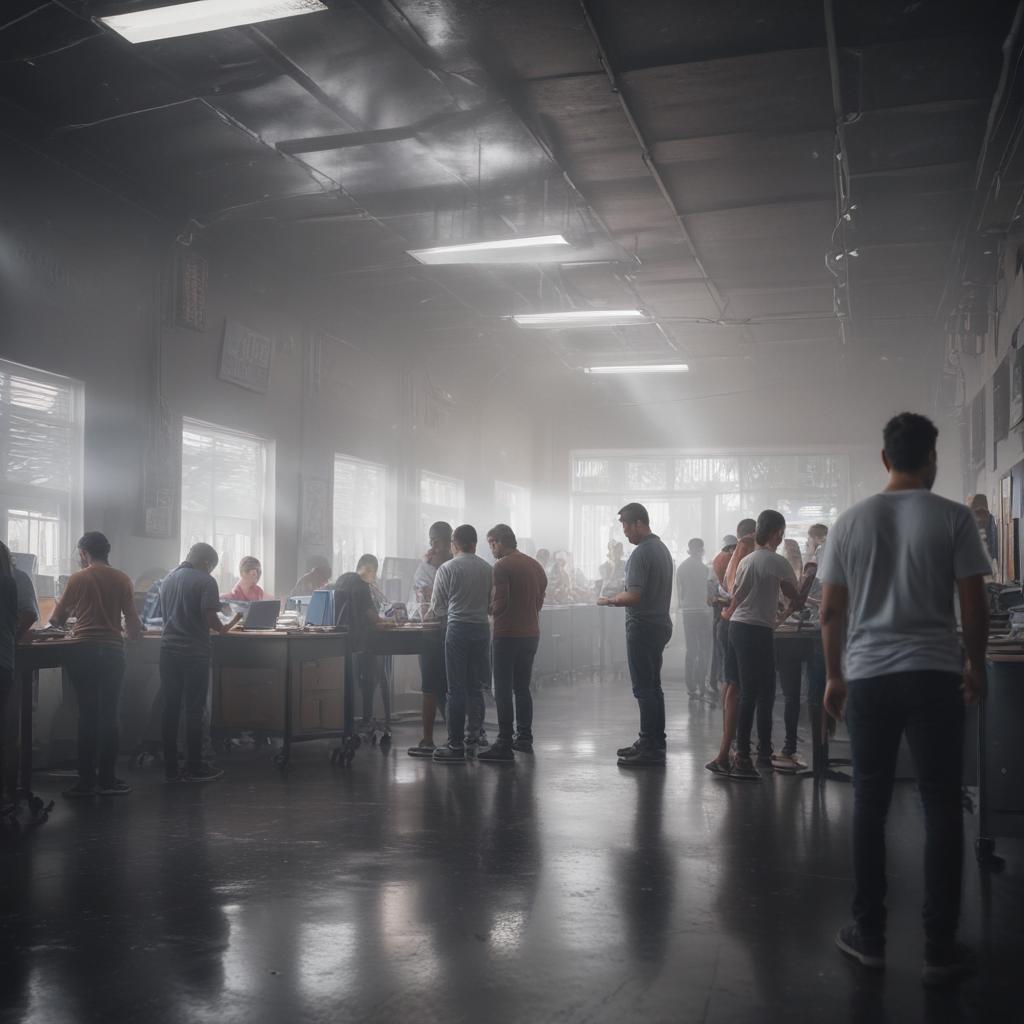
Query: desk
289, 684
1000, 775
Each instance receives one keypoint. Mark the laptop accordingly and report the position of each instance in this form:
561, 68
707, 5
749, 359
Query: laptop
261, 615
321, 609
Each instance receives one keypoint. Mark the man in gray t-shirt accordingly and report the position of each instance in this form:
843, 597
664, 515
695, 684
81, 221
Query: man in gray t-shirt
189, 603
890, 571
646, 599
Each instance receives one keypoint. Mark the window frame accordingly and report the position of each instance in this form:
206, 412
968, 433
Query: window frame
66, 502
384, 510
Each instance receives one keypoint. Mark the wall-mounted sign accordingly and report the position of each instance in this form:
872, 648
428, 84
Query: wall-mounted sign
246, 358
190, 291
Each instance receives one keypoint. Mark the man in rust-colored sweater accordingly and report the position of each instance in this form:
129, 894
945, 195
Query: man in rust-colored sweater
516, 600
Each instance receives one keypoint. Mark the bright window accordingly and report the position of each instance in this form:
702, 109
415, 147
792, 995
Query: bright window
224, 498
40, 465
442, 498
699, 495
360, 511
512, 505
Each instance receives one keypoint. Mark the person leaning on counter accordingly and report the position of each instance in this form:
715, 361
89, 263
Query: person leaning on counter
97, 598
188, 605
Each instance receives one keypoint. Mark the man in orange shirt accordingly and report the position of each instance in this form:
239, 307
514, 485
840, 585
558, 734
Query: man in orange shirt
97, 598
721, 765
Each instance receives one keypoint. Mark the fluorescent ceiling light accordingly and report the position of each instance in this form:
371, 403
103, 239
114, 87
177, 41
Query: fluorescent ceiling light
502, 250
641, 368
203, 16
583, 318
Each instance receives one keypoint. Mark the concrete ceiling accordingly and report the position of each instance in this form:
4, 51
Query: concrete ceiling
688, 148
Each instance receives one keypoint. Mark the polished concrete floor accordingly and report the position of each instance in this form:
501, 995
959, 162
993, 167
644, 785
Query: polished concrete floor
560, 888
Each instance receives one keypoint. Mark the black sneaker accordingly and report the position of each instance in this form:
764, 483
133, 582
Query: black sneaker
203, 773
867, 952
717, 768
948, 965
523, 746
643, 757
80, 790
422, 750
743, 770
764, 757
499, 751
450, 755
113, 787
628, 751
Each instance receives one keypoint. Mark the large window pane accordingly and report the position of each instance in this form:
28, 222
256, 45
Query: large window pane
40, 465
360, 511
512, 506
223, 495
442, 498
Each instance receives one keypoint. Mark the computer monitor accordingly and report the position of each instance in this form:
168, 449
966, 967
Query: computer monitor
321, 609
261, 615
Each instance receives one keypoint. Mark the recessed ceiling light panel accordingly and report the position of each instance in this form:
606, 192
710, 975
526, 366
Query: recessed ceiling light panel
640, 368
528, 249
203, 16
583, 318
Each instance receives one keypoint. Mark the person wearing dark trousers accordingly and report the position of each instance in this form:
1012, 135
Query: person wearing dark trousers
97, 598
753, 615
646, 599
517, 596
462, 596
433, 683
791, 655
694, 597
189, 606
891, 568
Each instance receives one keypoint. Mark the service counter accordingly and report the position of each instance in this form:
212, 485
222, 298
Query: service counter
572, 638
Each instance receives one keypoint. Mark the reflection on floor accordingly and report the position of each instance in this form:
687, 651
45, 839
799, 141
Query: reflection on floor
560, 888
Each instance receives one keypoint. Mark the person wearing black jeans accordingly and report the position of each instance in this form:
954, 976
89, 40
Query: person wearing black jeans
646, 599
517, 596
98, 598
891, 567
188, 604
791, 654
760, 579
462, 596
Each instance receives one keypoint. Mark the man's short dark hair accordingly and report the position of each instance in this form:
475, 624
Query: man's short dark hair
745, 527
503, 534
767, 523
365, 560
909, 441
95, 545
441, 530
465, 536
202, 554
695, 544
818, 530
634, 512
320, 562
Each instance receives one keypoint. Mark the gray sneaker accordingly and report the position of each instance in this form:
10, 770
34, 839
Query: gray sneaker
450, 755
498, 751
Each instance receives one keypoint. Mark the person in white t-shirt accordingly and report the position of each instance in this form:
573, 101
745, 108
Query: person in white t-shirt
893, 565
754, 614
